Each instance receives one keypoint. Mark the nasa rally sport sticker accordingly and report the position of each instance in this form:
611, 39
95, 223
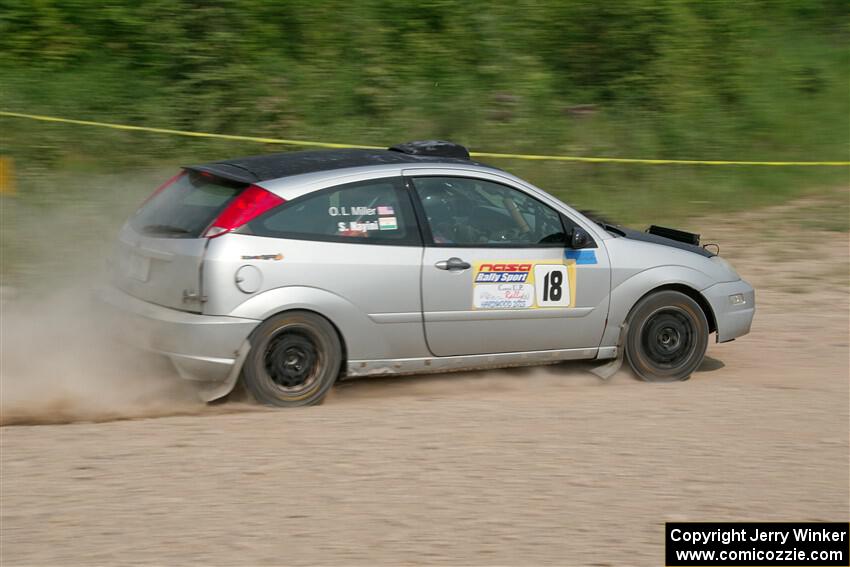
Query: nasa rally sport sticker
524, 284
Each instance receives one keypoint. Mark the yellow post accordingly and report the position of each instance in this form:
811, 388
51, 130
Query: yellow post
7, 176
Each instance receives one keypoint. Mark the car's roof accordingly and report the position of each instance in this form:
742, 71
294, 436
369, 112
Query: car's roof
310, 167
254, 169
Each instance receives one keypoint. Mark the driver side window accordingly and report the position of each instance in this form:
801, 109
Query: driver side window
468, 212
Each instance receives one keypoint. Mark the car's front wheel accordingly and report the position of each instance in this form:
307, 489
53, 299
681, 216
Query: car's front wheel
294, 360
667, 337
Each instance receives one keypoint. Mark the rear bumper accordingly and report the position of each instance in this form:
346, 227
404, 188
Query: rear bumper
202, 347
733, 320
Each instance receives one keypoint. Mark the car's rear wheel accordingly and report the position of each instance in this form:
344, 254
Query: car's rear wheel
667, 337
294, 360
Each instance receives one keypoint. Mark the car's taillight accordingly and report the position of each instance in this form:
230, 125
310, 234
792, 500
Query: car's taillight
248, 205
163, 187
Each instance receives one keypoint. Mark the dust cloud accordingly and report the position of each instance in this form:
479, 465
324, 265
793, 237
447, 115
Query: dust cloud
60, 362
60, 365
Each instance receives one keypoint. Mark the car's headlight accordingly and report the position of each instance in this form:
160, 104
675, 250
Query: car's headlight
737, 299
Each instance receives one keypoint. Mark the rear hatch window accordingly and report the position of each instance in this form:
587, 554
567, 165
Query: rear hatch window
160, 250
185, 206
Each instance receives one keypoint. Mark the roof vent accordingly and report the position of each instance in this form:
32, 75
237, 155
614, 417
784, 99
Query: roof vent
432, 148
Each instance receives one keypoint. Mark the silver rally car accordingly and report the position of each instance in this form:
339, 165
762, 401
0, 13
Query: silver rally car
292, 270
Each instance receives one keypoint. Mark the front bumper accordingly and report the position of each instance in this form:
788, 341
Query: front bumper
733, 320
204, 348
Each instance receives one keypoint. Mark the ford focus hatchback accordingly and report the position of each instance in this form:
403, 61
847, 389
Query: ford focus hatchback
290, 271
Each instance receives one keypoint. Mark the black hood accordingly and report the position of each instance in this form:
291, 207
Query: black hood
655, 239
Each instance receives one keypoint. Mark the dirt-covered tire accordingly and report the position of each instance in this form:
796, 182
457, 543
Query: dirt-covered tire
667, 337
294, 360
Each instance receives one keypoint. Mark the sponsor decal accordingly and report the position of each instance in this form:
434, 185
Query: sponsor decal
503, 296
581, 256
385, 210
503, 273
277, 256
387, 223
524, 284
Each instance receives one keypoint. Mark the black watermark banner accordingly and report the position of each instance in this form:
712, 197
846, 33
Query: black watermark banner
815, 544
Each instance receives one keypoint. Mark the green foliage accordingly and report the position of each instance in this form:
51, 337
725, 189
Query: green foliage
720, 79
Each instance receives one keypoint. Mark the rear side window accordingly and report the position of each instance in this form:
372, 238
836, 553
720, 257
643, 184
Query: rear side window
367, 212
185, 206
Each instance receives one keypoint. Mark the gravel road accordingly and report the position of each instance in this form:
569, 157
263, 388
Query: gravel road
547, 465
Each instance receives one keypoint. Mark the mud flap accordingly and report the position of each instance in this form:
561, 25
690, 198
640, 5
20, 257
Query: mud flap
607, 370
212, 393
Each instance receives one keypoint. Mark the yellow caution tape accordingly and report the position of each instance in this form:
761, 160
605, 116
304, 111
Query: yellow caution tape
308, 143
656, 161
184, 132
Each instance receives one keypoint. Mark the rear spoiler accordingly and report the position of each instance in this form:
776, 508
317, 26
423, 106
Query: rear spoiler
225, 171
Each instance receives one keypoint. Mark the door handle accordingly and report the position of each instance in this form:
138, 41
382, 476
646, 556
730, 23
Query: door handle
452, 264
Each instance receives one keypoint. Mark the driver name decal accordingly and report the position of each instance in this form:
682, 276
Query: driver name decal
351, 211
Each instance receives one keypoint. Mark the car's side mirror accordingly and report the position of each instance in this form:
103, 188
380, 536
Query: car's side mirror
578, 238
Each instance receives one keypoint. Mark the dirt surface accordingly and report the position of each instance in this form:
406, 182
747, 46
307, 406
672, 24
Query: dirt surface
547, 465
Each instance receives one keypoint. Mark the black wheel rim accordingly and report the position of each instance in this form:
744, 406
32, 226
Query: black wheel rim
668, 338
292, 361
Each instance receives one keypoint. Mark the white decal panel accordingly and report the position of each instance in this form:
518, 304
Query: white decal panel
525, 284
503, 296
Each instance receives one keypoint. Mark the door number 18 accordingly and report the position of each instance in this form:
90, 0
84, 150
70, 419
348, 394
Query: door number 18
552, 285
